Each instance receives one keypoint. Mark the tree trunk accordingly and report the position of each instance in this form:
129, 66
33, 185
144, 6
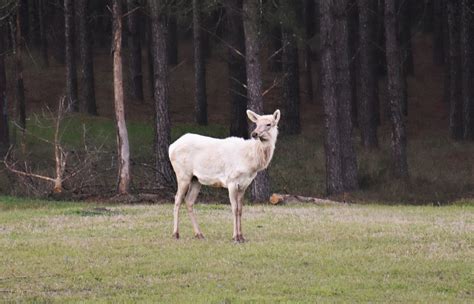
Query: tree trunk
17, 46
123, 148
43, 36
353, 29
368, 86
25, 19
446, 45
380, 38
291, 85
405, 9
164, 171
308, 32
276, 48
455, 71
87, 103
200, 97
236, 63
344, 95
438, 45
4, 132
332, 145
251, 9
172, 37
71, 74
395, 87
467, 69
57, 32
135, 50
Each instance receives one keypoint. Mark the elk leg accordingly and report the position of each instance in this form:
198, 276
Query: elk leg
190, 199
182, 188
233, 202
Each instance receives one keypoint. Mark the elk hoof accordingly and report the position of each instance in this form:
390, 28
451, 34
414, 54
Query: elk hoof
199, 236
176, 235
239, 239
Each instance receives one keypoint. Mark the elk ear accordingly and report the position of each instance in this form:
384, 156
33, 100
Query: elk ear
276, 116
252, 116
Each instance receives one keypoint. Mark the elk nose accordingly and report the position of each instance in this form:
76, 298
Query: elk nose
254, 135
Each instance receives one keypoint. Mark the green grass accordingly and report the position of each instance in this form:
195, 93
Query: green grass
69, 252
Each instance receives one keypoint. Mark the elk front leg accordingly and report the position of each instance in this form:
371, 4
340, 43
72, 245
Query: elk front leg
233, 191
240, 205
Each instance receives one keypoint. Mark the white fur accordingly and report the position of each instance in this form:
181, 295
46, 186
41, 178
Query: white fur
232, 163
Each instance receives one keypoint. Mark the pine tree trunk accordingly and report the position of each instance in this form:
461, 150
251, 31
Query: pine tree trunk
380, 38
308, 12
344, 95
353, 29
123, 147
395, 87
438, 36
291, 82
455, 71
260, 188
236, 64
135, 50
164, 172
71, 74
467, 54
57, 32
200, 95
43, 36
17, 47
172, 37
438, 45
332, 146
404, 16
276, 49
87, 103
368, 86
4, 130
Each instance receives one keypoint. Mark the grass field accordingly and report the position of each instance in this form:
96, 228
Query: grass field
68, 252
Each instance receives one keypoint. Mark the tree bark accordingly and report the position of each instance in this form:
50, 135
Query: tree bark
405, 9
43, 36
467, 54
135, 49
164, 171
368, 86
200, 96
57, 32
236, 64
380, 39
4, 132
455, 71
291, 82
344, 95
394, 79
123, 148
353, 49
17, 46
308, 33
260, 188
438, 45
71, 73
332, 145
87, 103
172, 37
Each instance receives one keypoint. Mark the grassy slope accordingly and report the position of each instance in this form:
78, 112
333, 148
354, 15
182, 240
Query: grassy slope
68, 252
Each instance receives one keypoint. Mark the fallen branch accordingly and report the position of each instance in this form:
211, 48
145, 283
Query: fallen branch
280, 199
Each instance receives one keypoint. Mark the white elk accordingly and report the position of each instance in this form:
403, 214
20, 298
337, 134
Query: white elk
231, 163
